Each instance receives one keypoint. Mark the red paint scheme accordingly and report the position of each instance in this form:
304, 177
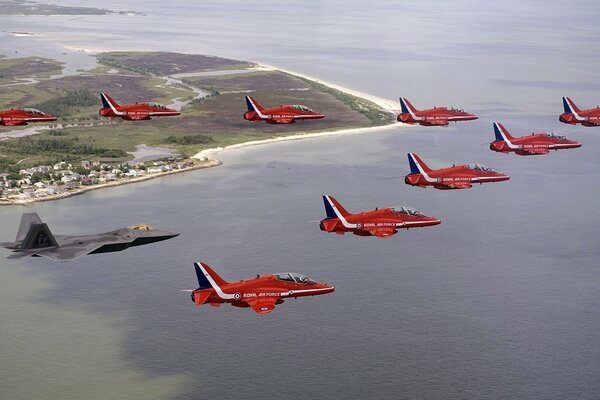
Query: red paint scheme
134, 112
455, 177
431, 117
261, 293
574, 116
382, 222
278, 115
534, 144
21, 116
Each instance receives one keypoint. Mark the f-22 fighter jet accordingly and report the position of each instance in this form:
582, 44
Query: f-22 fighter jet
35, 239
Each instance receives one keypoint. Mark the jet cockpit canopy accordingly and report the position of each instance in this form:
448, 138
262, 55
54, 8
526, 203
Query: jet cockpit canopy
302, 108
294, 278
480, 167
406, 211
33, 111
555, 136
157, 105
142, 227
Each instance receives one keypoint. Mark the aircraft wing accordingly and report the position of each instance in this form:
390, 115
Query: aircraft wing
263, 305
138, 116
539, 150
69, 253
381, 232
282, 120
460, 185
13, 123
436, 121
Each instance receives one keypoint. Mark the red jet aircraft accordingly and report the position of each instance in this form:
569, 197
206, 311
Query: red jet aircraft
574, 115
278, 115
432, 116
455, 177
134, 112
382, 222
261, 293
21, 116
536, 143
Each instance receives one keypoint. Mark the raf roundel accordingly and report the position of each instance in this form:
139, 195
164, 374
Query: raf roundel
237, 296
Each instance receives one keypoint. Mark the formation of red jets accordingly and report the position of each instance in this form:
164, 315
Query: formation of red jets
264, 292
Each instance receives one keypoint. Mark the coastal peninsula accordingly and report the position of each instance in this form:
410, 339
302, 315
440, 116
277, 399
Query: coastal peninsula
208, 90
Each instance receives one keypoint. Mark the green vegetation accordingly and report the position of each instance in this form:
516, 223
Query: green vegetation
213, 121
186, 140
376, 114
58, 149
27, 67
162, 63
71, 101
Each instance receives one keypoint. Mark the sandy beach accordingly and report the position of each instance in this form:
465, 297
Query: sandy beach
386, 104
210, 154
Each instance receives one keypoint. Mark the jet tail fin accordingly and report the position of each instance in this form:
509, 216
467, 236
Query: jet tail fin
34, 234
333, 208
501, 133
417, 165
108, 102
27, 219
407, 108
569, 106
207, 278
253, 105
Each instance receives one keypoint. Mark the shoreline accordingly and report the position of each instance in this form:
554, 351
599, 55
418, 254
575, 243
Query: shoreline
208, 154
386, 104
85, 189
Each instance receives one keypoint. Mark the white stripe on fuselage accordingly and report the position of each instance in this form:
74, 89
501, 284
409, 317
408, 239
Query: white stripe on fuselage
422, 171
340, 216
220, 292
508, 142
112, 107
303, 291
410, 111
572, 107
257, 110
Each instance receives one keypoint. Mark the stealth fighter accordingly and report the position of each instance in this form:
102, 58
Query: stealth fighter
34, 238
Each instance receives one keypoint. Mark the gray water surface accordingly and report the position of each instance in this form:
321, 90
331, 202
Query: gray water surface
500, 301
